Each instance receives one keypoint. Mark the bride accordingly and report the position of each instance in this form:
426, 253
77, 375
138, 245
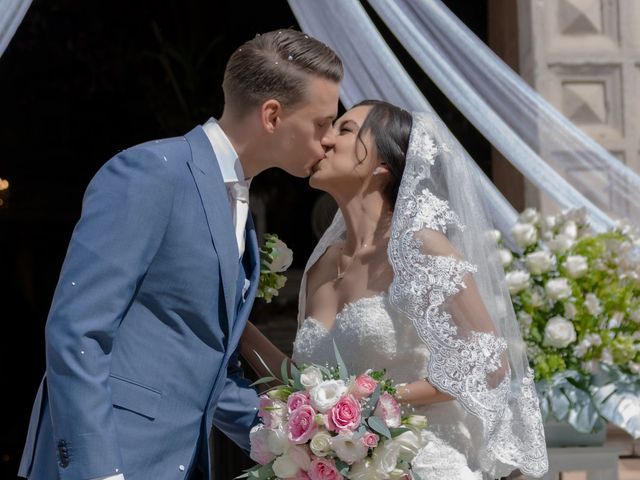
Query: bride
407, 278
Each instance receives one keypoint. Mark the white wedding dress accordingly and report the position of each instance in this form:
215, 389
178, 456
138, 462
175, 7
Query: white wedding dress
371, 334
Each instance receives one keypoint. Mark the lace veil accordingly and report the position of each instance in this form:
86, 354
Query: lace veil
449, 282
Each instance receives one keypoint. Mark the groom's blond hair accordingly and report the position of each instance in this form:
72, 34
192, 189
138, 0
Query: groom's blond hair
277, 65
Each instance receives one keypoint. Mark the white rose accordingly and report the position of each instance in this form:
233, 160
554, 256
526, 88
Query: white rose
311, 377
409, 443
366, 470
570, 230
529, 215
385, 457
277, 441
321, 444
539, 262
283, 257
593, 304
285, 467
327, 394
559, 332
524, 234
576, 266
550, 221
496, 235
517, 281
570, 310
506, 257
348, 448
558, 289
560, 243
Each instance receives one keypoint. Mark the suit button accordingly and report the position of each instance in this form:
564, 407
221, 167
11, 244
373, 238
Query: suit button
181, 468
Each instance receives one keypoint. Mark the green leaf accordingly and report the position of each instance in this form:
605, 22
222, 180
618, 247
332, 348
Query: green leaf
377, 425
344, 374
248, 472
343, 467
398, 431
283, 371
263, 380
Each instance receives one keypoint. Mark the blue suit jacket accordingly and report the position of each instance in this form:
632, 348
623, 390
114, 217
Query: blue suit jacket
142, 335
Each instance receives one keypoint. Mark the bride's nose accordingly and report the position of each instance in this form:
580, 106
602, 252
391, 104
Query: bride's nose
329, 139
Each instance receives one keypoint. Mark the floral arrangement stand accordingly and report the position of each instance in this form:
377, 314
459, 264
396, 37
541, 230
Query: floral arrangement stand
600, 463
576, 294
562, 434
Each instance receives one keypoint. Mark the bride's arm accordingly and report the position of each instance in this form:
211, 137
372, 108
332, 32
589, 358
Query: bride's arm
420, 392
254, 343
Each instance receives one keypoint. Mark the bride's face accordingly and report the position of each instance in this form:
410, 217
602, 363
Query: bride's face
348, 165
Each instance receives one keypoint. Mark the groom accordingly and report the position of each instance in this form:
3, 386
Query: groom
161, 273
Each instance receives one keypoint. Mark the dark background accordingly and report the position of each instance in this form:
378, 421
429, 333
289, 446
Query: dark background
82, 80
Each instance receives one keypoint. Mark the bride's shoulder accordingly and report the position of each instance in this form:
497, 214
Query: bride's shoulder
436, 243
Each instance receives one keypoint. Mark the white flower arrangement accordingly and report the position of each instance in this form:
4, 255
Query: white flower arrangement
577, 298
275, 258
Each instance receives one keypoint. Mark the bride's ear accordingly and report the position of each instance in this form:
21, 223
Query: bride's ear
381, 169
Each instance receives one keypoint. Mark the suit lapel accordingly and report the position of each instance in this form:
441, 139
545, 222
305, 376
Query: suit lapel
213, 193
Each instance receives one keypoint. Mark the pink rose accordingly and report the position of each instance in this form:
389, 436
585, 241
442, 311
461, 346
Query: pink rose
370, 440
297, 399
324, 469
389, 410
301, 476
364, 386
345, 415
271, 412
302, 424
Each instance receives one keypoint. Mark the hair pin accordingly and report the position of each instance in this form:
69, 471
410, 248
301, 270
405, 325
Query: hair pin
289, 57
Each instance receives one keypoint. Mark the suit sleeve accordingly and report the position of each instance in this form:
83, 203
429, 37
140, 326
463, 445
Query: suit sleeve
237, 407
125, 213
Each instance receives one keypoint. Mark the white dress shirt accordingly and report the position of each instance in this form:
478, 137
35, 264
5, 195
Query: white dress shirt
232, 174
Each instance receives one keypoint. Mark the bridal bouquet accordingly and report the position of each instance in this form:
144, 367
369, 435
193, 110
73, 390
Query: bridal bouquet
577, 297
275, 258
323, 424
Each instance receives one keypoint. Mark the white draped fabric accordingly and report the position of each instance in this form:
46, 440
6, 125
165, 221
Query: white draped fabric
11, 14
526, 129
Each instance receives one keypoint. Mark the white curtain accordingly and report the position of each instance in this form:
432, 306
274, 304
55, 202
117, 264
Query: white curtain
494, 106
11, 14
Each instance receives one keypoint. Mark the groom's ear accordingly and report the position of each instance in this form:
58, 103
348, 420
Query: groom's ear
270, 115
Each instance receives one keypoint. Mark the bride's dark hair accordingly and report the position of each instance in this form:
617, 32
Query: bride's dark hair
390, 127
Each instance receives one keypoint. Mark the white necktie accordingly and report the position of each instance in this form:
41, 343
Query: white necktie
239, 192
